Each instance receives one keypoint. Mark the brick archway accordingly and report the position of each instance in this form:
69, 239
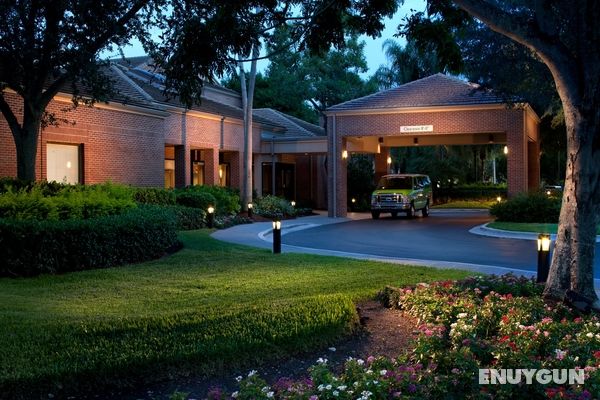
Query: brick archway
437, 110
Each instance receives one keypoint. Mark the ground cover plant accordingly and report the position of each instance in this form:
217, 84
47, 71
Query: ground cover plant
201, 309
528, 227
482, 322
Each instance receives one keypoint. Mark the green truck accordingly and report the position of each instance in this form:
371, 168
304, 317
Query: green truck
407, 193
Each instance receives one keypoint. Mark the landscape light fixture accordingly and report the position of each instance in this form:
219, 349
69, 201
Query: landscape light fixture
250, 206
543, 266
293, 203
498, 199
505, 149
276, 236
344, 154
353, 200
210, 218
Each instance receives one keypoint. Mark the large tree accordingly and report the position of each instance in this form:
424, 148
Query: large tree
48, 45
565, 37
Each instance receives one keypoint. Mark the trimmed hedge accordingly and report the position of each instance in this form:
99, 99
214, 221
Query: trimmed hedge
533, 207
273, 207
162, 197
225, 200
31, 247
468, 192
188, 218
196, 199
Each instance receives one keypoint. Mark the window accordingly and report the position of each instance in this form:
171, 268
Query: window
224, 174
169, 174
197, 173
63, 163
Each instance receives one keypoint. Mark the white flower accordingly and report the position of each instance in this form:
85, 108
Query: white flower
336, 393
383, 372
590, 335
321, 387
342, 388
270, 395
238, 378
235, 394
322, 360
360, 362
265, 389
332, 349
252, 373
328, 387
462, 315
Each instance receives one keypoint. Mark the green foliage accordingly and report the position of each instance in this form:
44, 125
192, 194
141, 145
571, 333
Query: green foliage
188, 218
532, 207
59, 202
274, 207
469, 192
156, 196
361, 182
226, 201
199, 310
31, 247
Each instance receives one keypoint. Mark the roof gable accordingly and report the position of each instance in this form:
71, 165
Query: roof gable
434, 90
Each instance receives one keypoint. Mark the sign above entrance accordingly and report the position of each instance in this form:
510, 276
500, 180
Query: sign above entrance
416, 128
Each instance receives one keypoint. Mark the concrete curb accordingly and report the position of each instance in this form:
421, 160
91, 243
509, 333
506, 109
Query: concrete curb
484, 230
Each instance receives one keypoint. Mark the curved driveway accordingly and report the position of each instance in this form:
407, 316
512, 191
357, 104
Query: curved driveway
443, 236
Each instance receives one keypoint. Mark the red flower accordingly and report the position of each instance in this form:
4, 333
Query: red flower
596, 354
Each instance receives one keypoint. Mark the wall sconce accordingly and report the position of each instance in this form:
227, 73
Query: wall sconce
69, 164
210, 218
276, 236
389, 160
378, 148
344, 154
505, 149
416, 141
543, 247
220, 172
250, 206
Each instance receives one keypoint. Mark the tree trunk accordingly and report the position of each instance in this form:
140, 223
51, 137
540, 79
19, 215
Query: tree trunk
573, 260
26, 140
247, 104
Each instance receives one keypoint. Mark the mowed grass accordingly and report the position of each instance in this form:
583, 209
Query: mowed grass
528, 227
208, 308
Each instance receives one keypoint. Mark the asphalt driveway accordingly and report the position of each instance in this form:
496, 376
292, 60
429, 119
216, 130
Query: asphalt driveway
443, 236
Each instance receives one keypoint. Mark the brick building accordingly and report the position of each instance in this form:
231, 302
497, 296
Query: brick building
143, 138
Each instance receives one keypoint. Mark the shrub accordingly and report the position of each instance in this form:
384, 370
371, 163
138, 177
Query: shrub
51, 201
196, 199
225, 200
273, 206
31, 247
474, 191
156, 196
188, 218
533, 207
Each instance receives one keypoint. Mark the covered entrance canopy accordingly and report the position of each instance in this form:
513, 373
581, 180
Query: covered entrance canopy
437, 110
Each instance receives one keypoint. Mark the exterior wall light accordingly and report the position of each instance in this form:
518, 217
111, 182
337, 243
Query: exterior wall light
276, 236
250, 207
543, 266
389, 160
210, 218
344, 154
505, 149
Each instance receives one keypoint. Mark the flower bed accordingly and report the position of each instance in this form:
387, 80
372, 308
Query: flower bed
478, 323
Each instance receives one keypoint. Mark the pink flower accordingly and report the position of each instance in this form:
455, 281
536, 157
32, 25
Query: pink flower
546, 333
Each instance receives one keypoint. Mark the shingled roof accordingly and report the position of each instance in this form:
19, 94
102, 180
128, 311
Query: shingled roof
295, 127
434, 90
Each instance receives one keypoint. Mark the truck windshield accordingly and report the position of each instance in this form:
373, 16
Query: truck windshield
402, 182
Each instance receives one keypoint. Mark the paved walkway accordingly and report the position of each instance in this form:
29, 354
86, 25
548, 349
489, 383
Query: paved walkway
259, 234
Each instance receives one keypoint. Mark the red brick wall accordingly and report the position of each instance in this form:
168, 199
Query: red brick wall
483, 121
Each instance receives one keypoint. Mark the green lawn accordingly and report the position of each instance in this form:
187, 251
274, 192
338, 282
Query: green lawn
208, 307
466, 204
528, 227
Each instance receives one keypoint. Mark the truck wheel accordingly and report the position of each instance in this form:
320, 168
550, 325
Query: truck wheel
411, 211
375, 214
425, 210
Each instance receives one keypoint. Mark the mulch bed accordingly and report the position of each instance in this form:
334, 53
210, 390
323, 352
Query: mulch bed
383, 332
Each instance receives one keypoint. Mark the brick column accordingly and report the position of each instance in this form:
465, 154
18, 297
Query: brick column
533, 165
211, 166
381, 165
336, 170
183, 166
516, 161
236, 169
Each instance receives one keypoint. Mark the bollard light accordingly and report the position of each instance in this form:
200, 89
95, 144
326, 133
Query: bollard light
250, 206
276, 236
498, 199
543, 247
353, 200
210, 218
293, 203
